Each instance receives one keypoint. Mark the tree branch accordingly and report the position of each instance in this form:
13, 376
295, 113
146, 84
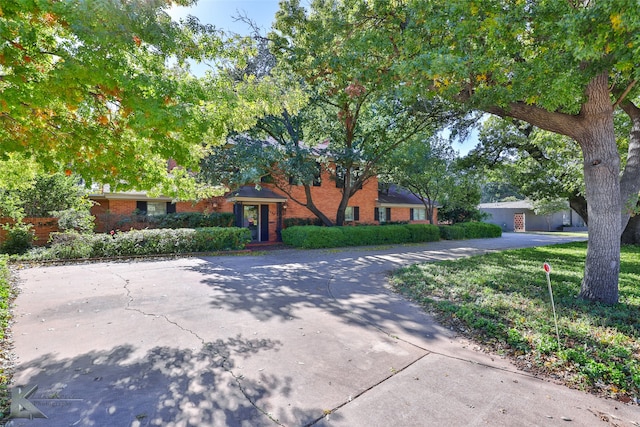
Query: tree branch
561, 123
625, 93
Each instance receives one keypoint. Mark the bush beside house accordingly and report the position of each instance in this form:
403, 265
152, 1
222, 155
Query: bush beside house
309, 237
72, 245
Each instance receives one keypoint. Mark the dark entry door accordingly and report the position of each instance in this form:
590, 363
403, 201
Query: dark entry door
264, 223
251, 220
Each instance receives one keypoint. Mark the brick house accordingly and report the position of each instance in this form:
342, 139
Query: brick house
265, 209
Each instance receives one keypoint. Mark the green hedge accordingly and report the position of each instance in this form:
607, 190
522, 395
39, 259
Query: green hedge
292, 222
146, 242
193, 220
469, 230
310, 237
451, 232
330, 237
6, 296
480, 230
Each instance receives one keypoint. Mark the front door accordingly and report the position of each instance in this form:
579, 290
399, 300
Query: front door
251, 220
264, 223
518, 222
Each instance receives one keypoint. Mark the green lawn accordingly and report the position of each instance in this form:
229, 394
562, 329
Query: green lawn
502, 301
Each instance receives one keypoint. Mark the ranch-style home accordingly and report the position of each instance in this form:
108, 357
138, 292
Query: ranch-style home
519, 216
265, 209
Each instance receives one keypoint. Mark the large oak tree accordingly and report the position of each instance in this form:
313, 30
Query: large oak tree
563, 66
344, 53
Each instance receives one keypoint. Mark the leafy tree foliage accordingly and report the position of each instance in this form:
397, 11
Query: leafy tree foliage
53, 193
425, 168
344, 53
548, 207
539, 164
499, 191
460, 203
562, 66
86, 87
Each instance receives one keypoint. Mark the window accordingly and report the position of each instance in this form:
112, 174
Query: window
382, 214
340, 177
267, 179
418, 214
352, 213
341, 173
155, 208
317, 181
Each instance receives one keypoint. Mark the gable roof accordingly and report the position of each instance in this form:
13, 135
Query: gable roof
397, 197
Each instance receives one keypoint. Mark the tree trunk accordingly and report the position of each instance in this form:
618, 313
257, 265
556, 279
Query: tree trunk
579, 205
314, 209
631, 233
601, 175
593, 130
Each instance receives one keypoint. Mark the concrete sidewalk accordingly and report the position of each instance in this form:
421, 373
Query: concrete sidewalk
287, 338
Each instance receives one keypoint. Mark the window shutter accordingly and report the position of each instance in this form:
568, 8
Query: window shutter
171, 207
356, 213
411, 214
238, 210
317, 176
388, 214
376, 214
340, 173
142, 207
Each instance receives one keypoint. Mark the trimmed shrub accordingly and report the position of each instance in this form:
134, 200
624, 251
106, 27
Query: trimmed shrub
292, 222
70, 244
75, 219
18, 239
311, 237
478, 230
423, 233
451, 232
148, 242
192, 220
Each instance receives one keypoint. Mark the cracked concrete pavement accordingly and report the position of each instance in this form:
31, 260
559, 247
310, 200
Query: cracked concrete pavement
291, 338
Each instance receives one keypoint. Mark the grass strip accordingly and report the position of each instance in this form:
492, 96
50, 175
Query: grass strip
501, 300
7, 295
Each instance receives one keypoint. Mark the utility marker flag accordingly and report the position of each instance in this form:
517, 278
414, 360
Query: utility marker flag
547, 270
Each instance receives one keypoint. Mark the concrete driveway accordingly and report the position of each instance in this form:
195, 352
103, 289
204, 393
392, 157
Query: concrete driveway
288, 338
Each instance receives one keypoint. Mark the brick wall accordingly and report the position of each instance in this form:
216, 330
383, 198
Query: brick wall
42, 228
327, 197
404, 214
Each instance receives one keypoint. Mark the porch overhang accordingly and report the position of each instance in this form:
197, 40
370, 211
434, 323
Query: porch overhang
249, 194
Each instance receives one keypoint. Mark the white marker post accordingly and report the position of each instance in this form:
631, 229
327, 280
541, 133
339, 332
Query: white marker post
547, 269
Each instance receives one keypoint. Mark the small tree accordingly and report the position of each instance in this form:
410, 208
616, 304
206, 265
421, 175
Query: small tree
548, 207
53, 192
425, 169
462, 199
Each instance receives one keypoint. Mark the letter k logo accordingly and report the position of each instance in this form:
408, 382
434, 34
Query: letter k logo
20, 405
